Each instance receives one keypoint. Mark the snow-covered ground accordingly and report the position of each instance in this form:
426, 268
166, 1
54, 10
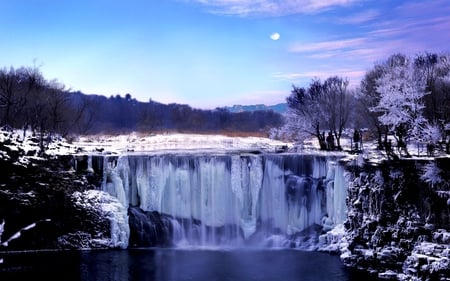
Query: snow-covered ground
137, 142
28, 144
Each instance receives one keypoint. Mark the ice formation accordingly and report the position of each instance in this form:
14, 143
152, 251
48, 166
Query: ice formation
231, 199
110, 208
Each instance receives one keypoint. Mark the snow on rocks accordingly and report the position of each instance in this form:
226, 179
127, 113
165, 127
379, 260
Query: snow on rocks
22, 147
104, 206
98, 220
333, 241
428, 260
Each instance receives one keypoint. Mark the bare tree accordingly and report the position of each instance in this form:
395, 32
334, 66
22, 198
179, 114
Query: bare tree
16, 86
321, 106
11, 93
434, 69
336, 106
58, 107
305, 111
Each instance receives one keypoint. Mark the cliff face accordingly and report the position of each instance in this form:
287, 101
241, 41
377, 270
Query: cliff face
397, 225
51, 201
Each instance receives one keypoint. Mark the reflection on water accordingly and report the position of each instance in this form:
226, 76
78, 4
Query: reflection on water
175, 265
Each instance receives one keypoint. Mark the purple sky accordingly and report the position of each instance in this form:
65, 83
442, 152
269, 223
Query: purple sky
210, 53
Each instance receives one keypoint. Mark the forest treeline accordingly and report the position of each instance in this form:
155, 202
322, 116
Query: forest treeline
28, 100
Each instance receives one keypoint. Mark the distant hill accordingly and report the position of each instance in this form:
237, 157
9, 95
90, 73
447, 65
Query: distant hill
279, 108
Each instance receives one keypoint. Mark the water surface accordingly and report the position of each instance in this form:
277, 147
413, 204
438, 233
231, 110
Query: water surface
176, 265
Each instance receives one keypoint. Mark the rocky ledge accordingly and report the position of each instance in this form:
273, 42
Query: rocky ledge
398, 222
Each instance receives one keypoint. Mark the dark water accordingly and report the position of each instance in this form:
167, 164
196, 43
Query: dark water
174, 265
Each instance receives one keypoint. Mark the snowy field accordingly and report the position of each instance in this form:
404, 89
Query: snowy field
140, 143
136, 142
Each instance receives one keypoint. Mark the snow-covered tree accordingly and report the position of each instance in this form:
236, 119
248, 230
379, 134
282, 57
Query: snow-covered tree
401, 100
292, 130
368, 97
432, 133
431, 174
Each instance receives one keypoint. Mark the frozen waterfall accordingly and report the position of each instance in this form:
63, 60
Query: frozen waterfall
228, 200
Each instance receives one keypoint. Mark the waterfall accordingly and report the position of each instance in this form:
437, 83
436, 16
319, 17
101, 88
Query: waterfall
229, 200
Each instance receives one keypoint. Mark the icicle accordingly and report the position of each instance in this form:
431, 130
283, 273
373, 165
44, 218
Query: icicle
229, 200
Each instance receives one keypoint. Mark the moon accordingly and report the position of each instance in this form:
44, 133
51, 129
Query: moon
275, 36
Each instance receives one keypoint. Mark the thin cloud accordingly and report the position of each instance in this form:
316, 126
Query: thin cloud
425, 9
245, 8
413, 33
360, 18
426, 26
351, 74
289, 76
394, 33
319, 5
416, 17
358, 49
328, 45
324, 55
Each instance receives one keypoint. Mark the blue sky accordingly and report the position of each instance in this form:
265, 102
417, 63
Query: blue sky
210, 53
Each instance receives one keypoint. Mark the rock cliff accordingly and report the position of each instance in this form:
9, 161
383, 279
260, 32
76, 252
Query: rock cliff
397, 224
47, 204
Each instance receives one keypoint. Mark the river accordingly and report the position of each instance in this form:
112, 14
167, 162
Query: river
161, 264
